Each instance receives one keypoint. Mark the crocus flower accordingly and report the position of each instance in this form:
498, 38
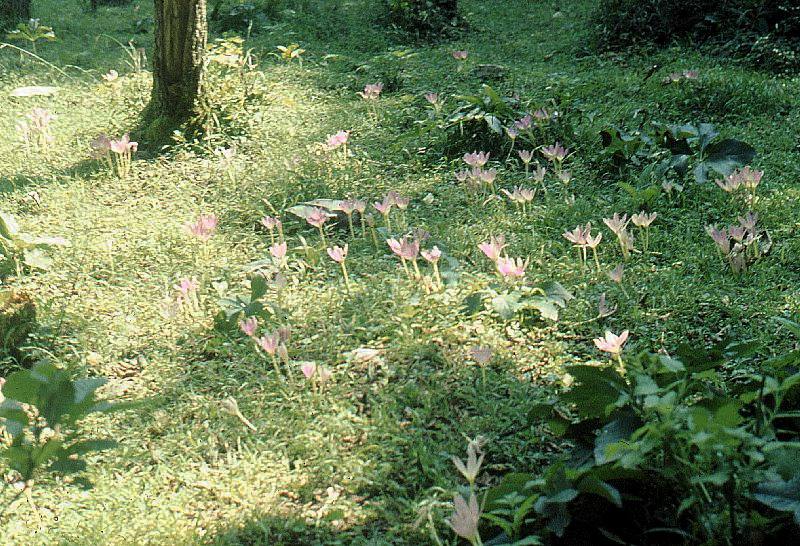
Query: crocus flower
371, 91
750, 178
555, 153
472, 466
204, 227
123, 145
338, 254
481, 355
510, 267
488, 176
464, 520
721, 238
101, 145
736, 233
524, 124
462, 176
432, 98
612, 343
432, 255
278, 251
643, 220
749, 221
460, 55
269, 343
477, 159
308, 369
249, 326
335, 141
565, 177
539, 174
616, 223
349, 206
512, 133
541, 115
526, 156
317, 217
186, 287
493, 247
617, 273
271, 223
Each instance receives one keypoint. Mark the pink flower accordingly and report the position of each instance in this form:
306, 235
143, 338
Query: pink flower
384, 207
487, 176
617, 273
348, 206
510, 267
721, 238
737, 233
512, 132
617, 224
524, 123
123, 145
477, 159
541, 114
308, 369
432, 98
269, 343
271, 222
338, 254
539, 174
465, 518
481, 355
406, 248
493, 247
460, 55
565, 177
398, 200
337, 140
579, 236
278, 250
204, 227
526, 156
371, 91
249, 326
462, 176
187, 286
643, 219
324, 374
432, 255
555, 153
749, 221
317, 217
691, 74
611, 343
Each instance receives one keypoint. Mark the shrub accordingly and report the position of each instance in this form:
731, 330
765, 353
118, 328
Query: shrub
241, 16
668, 452
424, 18
767, 31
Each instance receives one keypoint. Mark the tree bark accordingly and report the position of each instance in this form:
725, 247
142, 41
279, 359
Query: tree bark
180, 41
13, 11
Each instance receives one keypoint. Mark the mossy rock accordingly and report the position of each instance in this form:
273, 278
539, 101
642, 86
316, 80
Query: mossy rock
17, 320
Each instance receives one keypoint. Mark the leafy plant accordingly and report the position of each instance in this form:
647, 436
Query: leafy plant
665, 432
424, 18
17, 320
40, 414
23, 248
546, 299
32, 32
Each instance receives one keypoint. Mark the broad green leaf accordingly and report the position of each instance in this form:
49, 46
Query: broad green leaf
783, 496
506, 305
727, 155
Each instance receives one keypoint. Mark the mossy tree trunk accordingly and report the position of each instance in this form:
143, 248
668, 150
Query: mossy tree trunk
180, 42
13, 11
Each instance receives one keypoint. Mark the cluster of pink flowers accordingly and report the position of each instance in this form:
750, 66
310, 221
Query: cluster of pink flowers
619, 226
390, 200
674, 77
737, 243
477, 175
371, 91
508, 268
556, 154
122, 148
582, 238
270, 344
204, 227
36, 128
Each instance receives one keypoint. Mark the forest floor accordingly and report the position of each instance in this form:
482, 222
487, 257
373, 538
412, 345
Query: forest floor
365, 459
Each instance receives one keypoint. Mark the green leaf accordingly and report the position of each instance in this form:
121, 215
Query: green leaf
598, 390
617, 431
22, 387
783, 496
546, 307
258, 287
506, 305
727, 155
85, 387
590, 484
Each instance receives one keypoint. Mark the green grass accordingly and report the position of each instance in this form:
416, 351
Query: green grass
355, 464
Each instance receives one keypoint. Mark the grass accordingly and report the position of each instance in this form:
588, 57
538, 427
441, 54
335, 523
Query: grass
357, 463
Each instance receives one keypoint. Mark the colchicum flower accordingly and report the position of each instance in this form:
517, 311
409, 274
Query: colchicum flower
477, 159
317, 218
611, 343
493, 247
472, 466
204, 227
465, 518
249, 326
555, 154
371, 91
339, 254
511, 267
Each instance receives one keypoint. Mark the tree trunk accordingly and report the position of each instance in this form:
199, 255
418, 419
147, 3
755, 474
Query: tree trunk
180, 42
13, 11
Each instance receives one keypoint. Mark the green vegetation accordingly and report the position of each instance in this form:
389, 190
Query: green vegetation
336, 421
